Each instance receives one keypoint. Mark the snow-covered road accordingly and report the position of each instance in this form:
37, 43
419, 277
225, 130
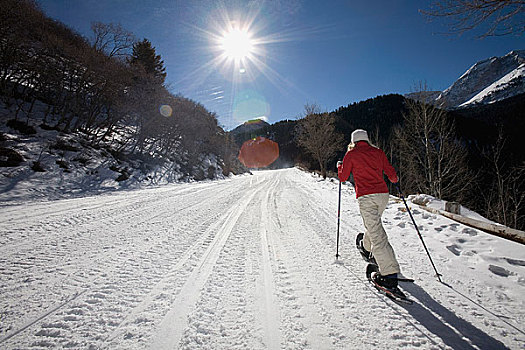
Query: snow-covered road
246, 263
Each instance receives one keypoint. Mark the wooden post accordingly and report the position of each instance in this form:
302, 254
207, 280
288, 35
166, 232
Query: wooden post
453, 207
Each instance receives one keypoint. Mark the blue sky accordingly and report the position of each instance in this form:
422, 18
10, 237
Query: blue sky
331, 53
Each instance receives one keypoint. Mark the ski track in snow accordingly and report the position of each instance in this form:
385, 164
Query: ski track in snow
246, 263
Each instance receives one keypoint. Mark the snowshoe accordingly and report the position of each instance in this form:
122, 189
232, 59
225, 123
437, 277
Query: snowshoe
367, 256
387, 286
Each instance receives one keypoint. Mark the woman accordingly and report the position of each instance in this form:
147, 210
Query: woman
367, 163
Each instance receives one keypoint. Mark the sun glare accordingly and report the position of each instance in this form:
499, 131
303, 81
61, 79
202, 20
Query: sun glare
237, 44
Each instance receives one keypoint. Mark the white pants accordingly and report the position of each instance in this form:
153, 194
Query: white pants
375, 239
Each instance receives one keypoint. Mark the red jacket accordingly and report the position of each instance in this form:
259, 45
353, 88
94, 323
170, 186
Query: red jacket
367, 163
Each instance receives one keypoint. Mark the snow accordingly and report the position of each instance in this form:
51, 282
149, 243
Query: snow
488, 81
247, 262
76, 167
500, 90
438, 204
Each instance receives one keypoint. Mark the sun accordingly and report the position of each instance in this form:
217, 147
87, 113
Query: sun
237, 44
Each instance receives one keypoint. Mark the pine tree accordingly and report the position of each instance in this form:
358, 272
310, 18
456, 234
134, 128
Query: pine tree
144, 54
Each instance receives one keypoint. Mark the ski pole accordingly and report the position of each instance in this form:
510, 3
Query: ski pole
419, 233
338, 221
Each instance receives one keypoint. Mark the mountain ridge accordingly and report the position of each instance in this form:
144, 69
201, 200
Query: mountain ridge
250, 126
487, 81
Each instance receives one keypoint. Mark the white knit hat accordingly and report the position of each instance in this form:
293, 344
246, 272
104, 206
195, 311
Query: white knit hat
359, 135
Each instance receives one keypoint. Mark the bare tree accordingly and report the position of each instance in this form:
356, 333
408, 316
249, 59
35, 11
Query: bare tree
317, 135
311, 108
431, 158
112, 39
505, 194
517, 197
501, 16
88, 87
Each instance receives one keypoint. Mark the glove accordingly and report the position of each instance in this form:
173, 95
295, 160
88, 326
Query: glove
396, 186
339, 165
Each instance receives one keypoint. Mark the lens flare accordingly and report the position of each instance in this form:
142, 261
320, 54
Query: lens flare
241, 47
249, 104
259, 152
166, 110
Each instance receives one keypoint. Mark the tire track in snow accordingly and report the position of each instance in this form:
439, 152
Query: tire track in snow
301, 322
46, 209
109, 281
231, 311
175, 321
223, 318
90, 267
305, 246
131, 327
266, 298
61, 215
164, 286
123, 221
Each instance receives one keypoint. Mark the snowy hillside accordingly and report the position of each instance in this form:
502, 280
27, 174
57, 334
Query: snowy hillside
47, 163
246, 263
487, 81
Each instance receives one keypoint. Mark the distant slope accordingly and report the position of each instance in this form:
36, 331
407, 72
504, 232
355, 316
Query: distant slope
487, 81
250, 126
511, 84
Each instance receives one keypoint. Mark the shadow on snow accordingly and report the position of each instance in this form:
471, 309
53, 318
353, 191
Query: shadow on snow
453, 330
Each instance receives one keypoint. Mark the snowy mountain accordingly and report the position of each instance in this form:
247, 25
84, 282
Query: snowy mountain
487, 81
